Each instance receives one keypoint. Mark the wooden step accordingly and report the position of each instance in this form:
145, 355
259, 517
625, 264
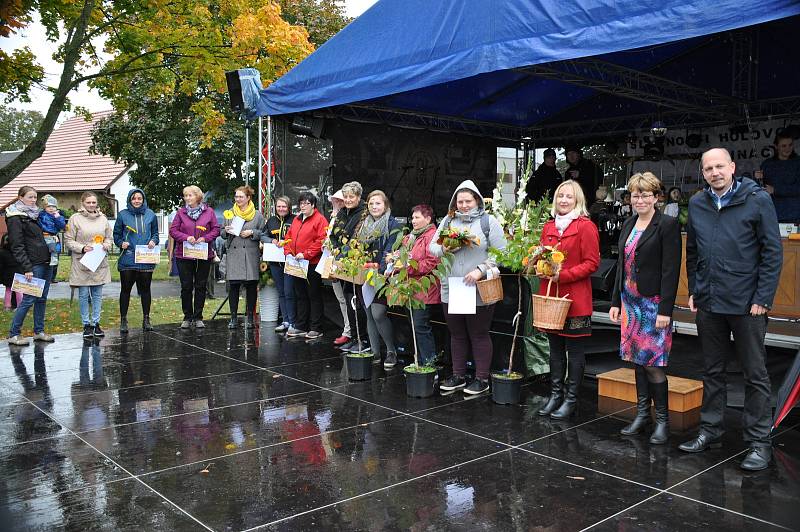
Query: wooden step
684, 394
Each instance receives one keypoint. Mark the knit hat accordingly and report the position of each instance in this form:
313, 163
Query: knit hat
49, 201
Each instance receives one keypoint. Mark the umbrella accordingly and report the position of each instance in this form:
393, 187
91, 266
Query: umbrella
789, 393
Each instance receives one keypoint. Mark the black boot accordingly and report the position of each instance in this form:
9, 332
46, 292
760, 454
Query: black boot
642, 404
234, 322
123, 325
248, 321
557, 365
146, 326
574, 380
660, 393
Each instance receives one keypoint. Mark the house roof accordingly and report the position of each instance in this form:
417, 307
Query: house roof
67, 165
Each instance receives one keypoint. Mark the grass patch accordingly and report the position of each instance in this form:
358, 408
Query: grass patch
161, 272
61, 317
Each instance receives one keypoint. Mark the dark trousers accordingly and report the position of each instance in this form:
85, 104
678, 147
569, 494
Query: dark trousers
748, 331
426, 344
308, 298
251, 293
286, 300
469, 333
142, 280
193, 275
560, 346
349, 290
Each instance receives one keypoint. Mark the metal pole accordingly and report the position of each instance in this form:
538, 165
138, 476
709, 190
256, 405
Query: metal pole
269, 157
261, 205
247, 153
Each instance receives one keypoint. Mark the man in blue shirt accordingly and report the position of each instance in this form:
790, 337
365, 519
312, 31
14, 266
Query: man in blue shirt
733, 262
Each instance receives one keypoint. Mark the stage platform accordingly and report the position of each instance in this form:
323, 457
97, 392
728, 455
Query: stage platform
187, 430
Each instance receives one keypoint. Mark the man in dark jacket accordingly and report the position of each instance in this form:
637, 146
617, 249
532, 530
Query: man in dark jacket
733, 261
545, 179
584, 171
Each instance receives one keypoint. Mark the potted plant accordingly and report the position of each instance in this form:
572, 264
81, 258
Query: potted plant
351, 266
400, 289
523, 228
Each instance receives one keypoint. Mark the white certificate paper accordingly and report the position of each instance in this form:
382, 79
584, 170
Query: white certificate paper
320, 267
236, 225
145, 255
198, 250
273, 253
462, 297
34, 287
94, 258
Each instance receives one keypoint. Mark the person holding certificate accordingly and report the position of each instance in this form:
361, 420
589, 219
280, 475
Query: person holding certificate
469, 333
136, 227
89, 238
30, 251
304, 242
194, 227
571, 232
277, 227
244, 226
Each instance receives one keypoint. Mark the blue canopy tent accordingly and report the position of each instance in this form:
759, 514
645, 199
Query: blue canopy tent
514, 68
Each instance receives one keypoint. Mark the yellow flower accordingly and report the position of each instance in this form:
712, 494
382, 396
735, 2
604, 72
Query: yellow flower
201, 227
275, 231
524, 261
557, 257
98, 239
227, 214
131, 229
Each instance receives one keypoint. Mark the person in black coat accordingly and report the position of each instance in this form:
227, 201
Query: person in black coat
277, 226
583, 171
733, 264
644, 292
545, 179
33, 256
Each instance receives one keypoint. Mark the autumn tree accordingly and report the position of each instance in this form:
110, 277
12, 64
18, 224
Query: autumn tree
162, 134
182, 46
17, 128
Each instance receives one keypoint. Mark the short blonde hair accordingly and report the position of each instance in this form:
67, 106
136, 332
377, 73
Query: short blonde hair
194, 189
644, 182
580, 198
353, 187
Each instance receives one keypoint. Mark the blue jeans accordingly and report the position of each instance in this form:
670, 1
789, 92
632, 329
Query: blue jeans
96, 293
285, 285
40, 271
426, 344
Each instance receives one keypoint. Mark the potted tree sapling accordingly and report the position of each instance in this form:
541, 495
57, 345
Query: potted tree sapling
401, 289
354, 265
523, 228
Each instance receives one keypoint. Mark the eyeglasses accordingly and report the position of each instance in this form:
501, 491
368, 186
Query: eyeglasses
637, 197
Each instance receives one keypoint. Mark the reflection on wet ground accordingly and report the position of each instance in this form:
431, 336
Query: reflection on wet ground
220, 430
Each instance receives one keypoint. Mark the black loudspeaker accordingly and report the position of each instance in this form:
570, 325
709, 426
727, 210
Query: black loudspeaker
235, 90
307, 125
603, 278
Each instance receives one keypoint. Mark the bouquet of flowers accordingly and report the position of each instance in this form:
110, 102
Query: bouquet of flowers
454, 238
544, 260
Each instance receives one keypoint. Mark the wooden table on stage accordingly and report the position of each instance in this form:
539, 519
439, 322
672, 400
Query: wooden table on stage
787, 298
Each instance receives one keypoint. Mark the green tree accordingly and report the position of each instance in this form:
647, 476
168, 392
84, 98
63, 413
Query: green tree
17, 128
162, 135
183, 46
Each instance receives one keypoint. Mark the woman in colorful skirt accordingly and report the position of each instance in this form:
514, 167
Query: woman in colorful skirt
644, 294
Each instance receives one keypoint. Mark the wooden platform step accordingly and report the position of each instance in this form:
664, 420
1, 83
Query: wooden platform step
684, 394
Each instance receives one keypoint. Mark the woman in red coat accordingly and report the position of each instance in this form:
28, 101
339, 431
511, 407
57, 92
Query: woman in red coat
577, 237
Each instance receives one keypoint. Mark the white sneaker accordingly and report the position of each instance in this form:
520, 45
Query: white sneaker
43, 337
18, 340
199, 324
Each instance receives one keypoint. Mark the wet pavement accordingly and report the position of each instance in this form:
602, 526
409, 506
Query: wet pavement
184, 430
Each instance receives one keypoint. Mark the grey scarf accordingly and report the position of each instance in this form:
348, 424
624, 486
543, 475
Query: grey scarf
31, 212
372, 229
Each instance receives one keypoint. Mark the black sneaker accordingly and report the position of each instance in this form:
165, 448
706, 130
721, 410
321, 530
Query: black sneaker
452, 383
476, 387
391, 360
98, 331
346, 346
88, 331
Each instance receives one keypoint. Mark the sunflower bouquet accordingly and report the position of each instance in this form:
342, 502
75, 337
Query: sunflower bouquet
544, 260
454, 238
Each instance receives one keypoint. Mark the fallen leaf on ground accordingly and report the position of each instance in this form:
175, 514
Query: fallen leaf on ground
576, 478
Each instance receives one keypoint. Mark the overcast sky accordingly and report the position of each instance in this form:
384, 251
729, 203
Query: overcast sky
33, 36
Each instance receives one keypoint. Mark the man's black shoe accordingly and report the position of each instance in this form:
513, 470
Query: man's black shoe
757, 458
700, 444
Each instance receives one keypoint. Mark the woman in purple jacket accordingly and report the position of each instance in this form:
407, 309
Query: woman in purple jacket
195, 223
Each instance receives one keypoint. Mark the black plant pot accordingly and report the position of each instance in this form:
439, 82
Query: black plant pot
506, 390
359, 368
420, 384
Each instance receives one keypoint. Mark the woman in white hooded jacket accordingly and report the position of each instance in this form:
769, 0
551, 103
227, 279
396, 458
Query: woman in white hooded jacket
469, 332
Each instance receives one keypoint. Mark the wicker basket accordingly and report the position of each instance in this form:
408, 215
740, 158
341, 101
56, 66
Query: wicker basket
550, 312
491, 290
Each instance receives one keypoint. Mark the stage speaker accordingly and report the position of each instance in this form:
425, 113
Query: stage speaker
235, 90
603, 278
307, 125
